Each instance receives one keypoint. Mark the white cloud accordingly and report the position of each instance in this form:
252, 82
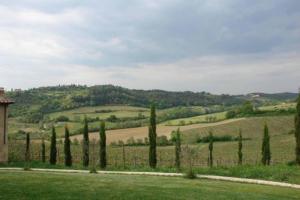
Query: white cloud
219, 46
224, 74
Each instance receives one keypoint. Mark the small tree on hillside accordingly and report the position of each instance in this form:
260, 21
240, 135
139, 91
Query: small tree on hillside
53, 150
177, 149
297, 132
85, 144
102, 145
43, 146
152, 138
210, 148
240, 147
67, 148
266, 152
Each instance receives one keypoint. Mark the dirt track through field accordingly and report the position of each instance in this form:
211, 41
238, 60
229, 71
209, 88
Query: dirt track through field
142, 132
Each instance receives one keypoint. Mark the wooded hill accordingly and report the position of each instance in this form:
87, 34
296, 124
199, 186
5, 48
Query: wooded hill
39, 101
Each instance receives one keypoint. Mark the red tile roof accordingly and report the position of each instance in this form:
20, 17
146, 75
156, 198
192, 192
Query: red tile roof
5, 100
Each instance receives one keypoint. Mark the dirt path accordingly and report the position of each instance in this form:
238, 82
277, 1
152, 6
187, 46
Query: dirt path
218, 178
142, 132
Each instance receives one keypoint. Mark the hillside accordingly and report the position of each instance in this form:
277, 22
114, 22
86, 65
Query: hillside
36, 102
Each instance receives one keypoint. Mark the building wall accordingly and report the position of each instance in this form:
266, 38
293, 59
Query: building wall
3, 147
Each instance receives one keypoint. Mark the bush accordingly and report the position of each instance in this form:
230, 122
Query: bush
190, 174
224, 138
62, 118
230, 114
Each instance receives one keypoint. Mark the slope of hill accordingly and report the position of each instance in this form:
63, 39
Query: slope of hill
36, 102
39, 101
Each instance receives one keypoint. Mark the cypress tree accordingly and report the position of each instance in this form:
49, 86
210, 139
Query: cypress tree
266, 152
210, 148
43, 150
102, 145
240, 147
297, 132
177, 149
152, 138
53, 150
85, 144
67, 148
27, 150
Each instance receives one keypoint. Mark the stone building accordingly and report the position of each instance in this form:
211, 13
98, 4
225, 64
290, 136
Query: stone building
4, 102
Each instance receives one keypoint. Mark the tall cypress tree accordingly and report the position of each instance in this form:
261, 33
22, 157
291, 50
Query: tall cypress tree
152, 138
102, 145
27, 150
43, 150
53, 150
85, 144
240, 147
297, 132
177, 149
67, 148
265, 151
210, 148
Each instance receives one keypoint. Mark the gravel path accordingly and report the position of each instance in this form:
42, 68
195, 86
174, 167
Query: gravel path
220, 178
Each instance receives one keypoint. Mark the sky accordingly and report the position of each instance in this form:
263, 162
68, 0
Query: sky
218, 46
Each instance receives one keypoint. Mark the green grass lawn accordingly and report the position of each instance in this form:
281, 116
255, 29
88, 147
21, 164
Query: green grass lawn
34, 185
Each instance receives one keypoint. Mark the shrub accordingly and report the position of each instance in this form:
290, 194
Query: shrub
62, 118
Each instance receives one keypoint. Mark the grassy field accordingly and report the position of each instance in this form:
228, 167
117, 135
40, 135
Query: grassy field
33, 185
281, 106
103, 112
225, 153
142, 132
198, 119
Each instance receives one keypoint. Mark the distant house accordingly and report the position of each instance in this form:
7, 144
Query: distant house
4, 102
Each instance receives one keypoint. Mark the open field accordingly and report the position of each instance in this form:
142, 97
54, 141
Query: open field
33, 185
281, 106
251, 127
103, 112
198, 119
142, 132
225, 153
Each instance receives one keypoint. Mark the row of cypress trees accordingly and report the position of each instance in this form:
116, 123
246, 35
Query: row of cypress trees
85, 146
152, 134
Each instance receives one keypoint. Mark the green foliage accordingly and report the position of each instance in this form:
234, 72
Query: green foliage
43, 100
230, 114
103, 161
53, 150
266, 151
177, 149
210, 148
152, 138
240, 147
85, 145
222, 138
62, 118
297, 132
247, 108
67, 148
112, 118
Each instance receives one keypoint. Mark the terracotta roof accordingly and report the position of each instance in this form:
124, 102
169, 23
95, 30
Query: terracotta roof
5, 100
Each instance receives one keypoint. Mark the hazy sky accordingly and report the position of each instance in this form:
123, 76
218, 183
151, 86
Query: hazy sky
219, 46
